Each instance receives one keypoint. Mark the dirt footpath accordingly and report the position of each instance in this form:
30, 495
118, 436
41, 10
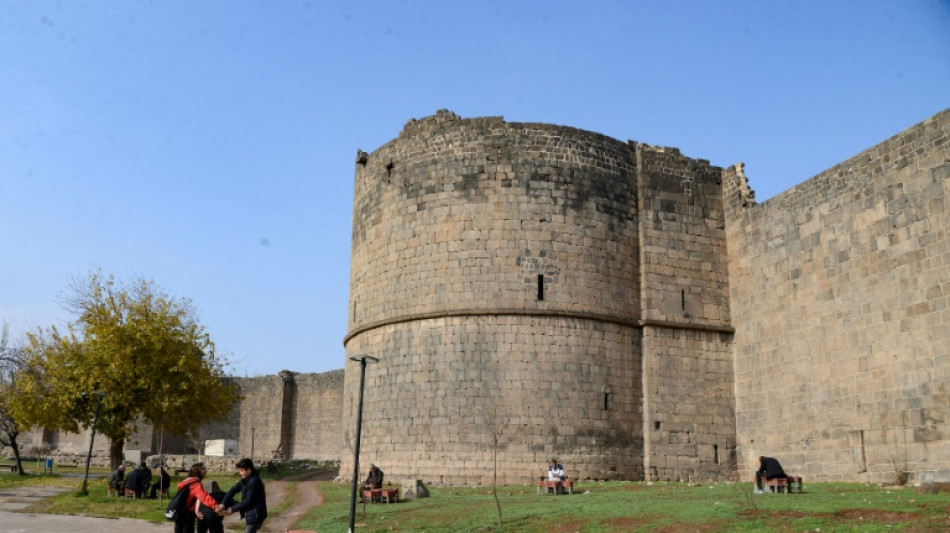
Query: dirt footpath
306, 497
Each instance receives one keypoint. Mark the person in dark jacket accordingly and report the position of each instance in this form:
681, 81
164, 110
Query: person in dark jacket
769, 468
117, 480
139, 480
375, 478
373, 481
210, 521
146, 477
133, 481
253, 504
164, 481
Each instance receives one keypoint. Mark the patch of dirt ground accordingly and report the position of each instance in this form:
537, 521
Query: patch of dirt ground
305, 496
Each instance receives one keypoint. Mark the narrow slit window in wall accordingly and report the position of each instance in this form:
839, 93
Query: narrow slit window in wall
683, 299
540, 287
606, 401
657, 425
716, 453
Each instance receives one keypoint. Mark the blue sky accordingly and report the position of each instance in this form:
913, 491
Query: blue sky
210, 145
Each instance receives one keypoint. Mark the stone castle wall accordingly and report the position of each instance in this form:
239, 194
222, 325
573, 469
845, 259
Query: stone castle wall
316, 423
290, 415
535, 291
496, 275
840, 290
688, 400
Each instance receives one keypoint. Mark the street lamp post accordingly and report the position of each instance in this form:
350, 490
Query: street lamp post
363, 359
92, 438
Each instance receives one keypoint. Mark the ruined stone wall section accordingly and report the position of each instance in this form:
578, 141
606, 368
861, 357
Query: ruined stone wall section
688, 394
689, 405
683, 243
445, 389
260, 416
840, 290
318, 416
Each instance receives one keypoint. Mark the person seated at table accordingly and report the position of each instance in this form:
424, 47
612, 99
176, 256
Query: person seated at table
117, 480
374, 480
769, 468
555, 471
133, 482
164, 481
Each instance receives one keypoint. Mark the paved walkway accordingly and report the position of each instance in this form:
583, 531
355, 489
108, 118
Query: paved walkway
15, 522
58, 523
306, 496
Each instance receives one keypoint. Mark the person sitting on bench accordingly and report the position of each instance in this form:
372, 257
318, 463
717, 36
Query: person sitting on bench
117, 480
164, 481
769, 468
555, 471
374, 480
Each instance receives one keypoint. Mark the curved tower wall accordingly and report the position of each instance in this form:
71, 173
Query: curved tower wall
496, 276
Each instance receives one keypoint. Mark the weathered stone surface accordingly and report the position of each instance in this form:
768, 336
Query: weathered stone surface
535, 291
510, 278
839, 290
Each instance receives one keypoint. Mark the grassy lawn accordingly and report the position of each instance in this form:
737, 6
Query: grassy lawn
595, 507
98, 503
656, 507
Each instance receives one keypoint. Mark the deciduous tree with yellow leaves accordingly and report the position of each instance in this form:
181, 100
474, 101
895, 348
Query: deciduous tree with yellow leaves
141, 348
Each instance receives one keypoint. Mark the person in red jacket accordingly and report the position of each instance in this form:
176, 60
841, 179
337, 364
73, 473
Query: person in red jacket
185, 523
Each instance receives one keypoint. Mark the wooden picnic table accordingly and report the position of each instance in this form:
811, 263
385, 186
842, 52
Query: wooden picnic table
553, 485
388, 495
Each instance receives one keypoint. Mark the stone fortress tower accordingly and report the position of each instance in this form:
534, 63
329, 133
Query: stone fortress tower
535, 291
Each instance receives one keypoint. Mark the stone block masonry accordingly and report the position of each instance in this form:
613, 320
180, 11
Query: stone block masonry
510, 278
289, 415
839, 291
535, 291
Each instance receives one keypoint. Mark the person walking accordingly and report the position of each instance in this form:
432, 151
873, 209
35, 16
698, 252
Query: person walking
185, 522
253, 504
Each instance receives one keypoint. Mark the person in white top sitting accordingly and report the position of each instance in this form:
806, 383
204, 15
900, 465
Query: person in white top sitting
555, 471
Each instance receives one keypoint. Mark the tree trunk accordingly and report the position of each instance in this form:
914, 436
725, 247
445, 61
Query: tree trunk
116, 455
16, 451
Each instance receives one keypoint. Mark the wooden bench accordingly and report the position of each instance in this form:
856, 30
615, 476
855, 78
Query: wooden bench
784, 485
9, 467
553, 486
388, 495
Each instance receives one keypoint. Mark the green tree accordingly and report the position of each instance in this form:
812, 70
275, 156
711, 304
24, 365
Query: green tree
11, 361
139, 346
